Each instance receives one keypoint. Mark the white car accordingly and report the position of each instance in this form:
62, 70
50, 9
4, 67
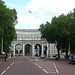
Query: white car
42, 56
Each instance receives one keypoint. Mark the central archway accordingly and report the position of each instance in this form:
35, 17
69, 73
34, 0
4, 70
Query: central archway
28, 49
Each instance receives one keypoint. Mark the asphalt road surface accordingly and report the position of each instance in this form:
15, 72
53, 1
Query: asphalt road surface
23, 65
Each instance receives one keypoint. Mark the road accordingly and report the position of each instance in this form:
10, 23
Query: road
23, 65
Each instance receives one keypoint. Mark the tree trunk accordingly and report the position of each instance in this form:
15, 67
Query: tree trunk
66, 54
58, 48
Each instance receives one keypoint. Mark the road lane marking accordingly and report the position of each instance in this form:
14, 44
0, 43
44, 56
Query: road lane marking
30, 59
51, 72
7, 68
12, 63
49, 69
39, 66
36, 64
3, 72
56, 68
45, 70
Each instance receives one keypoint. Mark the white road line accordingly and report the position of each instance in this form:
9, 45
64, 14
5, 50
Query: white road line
3, 72
56, 68
50, 69
45, 70
29, 59
7, 68
33, 62
45, 67
36, 64
39, 66
12, 64
51, 72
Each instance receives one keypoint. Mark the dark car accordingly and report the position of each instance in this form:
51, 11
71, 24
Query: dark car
72, 59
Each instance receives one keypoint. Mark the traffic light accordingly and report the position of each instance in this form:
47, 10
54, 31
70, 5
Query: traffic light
36, 47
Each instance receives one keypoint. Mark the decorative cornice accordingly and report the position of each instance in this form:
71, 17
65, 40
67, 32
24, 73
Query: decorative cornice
28, 30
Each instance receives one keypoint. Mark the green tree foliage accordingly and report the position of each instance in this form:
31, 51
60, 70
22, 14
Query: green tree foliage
61, 30
8, 20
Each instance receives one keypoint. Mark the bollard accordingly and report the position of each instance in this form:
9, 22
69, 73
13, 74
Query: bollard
36, 59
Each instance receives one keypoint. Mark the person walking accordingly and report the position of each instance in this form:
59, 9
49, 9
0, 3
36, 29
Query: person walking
5, 57
2, 57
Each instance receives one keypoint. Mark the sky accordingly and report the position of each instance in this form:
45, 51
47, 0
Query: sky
32, 13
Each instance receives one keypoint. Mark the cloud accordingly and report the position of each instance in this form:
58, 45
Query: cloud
11, 5
42, 11
46, 6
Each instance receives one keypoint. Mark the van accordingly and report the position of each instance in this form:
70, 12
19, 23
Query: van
72, 59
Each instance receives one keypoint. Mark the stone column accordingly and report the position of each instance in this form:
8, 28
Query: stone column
47, 50
23, 50
42, 49
33, 50
14, 50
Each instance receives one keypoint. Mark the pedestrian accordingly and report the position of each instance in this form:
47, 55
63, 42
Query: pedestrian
5, 57
56, 57
2, 57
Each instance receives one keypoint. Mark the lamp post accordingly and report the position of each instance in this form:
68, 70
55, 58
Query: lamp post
2, 46
69, 41
69, 46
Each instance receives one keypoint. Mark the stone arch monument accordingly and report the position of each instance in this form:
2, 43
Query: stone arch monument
30, 37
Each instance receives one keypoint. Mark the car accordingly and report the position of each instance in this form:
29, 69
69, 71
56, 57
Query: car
53, 56
42, 56
72, 59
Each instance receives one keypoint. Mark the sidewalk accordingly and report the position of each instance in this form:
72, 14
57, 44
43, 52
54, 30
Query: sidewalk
45, 59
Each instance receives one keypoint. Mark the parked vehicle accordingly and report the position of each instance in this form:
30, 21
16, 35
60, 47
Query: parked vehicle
72, 59
42, 56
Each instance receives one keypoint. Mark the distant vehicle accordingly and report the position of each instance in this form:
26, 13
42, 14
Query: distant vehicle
53, 56
42, 56
72, 59
18, 54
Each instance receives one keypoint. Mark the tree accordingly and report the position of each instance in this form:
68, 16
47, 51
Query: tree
8, 20
60, 30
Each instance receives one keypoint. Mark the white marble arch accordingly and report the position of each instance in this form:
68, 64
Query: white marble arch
32, 37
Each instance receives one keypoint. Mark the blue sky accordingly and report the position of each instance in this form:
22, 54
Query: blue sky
42, 11
18, 2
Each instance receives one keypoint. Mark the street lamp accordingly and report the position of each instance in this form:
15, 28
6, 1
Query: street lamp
69, 41
69, 46
2, 46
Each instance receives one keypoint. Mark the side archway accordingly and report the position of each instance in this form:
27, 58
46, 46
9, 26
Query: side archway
18, 50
